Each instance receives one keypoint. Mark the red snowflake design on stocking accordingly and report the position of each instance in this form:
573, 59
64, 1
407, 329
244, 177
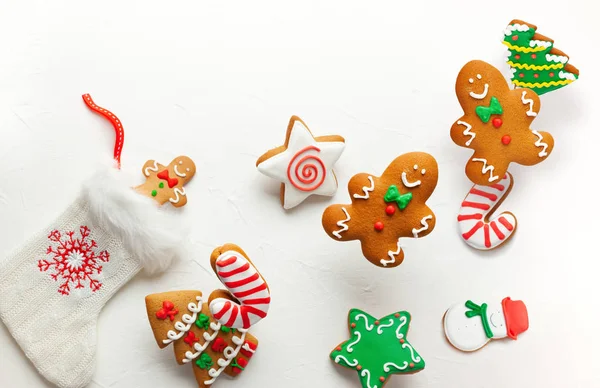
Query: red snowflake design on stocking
74, 260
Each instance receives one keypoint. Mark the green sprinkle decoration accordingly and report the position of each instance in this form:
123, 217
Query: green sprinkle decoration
154, 192
161, 185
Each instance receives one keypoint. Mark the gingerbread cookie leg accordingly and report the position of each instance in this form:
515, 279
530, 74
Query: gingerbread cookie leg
476, 228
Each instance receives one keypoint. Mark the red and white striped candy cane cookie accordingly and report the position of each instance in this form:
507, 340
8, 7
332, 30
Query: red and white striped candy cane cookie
247, 298
474, 223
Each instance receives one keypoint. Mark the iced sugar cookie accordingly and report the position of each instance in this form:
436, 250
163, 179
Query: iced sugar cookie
535, 62
469, 326
378, 348
478, 227
387, 208
496, 124
212, 334
303, 164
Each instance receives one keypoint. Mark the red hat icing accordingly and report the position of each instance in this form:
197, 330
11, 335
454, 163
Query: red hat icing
515, 315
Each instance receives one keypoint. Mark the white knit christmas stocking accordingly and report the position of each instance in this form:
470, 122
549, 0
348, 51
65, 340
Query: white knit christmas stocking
54, 287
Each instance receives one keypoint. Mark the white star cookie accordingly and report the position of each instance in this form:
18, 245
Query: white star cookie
303, 164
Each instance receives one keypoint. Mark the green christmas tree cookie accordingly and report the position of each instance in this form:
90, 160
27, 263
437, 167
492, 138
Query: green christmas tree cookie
535, 63
378, 348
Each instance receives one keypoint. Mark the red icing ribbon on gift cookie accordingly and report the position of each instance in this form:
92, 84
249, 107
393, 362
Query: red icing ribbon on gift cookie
116, 123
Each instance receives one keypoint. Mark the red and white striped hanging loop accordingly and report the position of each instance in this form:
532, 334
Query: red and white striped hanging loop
116, 123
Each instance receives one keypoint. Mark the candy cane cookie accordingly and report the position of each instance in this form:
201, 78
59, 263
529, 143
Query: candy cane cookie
476, 227
247, 298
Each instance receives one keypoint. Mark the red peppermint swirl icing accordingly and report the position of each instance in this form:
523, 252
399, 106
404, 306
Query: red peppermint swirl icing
306, 170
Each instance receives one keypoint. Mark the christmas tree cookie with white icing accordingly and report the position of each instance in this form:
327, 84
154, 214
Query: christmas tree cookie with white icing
303, 164
212, 334
378, 348
535, 62
469, 326
387, 208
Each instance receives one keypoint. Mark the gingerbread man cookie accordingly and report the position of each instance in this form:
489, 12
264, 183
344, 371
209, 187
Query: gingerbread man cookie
165, 184
212, 335
387, 208
496, 124
303, 164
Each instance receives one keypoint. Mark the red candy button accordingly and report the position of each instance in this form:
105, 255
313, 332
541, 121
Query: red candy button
390, 210
506, 140
497, 122
378, 226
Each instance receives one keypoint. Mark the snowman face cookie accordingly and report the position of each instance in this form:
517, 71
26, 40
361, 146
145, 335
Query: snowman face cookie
470, 326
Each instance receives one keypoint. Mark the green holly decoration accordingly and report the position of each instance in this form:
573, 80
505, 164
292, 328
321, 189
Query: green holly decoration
204, 362
226, 329
234, 364
393, 195
536, 64
378, 348
203, 321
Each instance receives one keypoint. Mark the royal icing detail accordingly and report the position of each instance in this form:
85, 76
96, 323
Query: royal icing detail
529, 101
537, 64
153, 168
424, 220
467, 131
188, 321
366, 190
229, 353
409, 184
482, 95
475, 226
485, 169
376, 354
541, 144
304, 165
178, 192
244, 282
469, 325
342, 224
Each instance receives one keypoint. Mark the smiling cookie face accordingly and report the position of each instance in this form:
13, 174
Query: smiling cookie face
183, 168
496, 124
387, 208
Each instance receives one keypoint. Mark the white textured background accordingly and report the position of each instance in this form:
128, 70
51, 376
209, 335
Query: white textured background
218, 81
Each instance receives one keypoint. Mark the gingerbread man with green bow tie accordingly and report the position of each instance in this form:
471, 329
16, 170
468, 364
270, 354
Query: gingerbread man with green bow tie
165, 183
496, 124
387, 208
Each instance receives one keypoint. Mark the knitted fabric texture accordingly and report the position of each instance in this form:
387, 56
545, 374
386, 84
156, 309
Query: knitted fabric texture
53, 288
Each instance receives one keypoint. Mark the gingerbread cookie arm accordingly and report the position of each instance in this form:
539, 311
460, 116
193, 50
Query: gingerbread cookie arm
152, 167
337, 222
535, 149
462, 132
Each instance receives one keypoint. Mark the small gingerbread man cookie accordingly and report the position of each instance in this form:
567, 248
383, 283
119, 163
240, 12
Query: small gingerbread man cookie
165, 184
496, 124
303, 164
387, 208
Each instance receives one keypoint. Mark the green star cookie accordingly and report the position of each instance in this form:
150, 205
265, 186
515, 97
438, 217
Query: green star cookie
378, 348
